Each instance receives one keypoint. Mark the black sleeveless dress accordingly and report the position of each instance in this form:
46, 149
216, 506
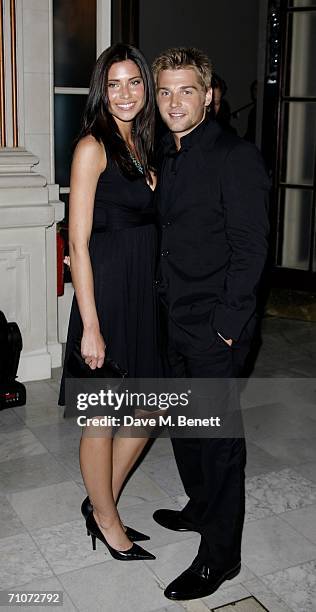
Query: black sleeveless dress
122, 249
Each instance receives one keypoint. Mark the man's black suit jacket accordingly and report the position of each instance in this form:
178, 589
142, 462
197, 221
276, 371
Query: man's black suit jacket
212, 199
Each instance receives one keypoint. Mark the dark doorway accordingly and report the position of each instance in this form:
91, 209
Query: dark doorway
289, 140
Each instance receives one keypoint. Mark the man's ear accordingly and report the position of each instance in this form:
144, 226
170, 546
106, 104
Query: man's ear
208, 97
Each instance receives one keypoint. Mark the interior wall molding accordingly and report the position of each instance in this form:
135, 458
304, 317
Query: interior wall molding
15, 283
2, 80
14, 83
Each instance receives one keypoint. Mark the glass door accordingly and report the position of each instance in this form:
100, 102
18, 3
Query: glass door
295, 164
81, 30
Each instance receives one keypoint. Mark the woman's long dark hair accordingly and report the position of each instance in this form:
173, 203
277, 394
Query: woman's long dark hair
98, 121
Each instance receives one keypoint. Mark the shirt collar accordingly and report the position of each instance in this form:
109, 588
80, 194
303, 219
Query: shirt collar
187, 141
194, 136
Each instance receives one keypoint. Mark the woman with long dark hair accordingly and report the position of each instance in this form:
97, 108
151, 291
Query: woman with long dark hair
112, 242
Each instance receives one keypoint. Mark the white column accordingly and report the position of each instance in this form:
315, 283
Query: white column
29, 204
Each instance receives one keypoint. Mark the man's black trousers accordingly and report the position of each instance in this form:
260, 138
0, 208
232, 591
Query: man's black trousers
212, 470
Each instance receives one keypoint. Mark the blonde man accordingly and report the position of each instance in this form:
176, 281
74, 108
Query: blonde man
212, 198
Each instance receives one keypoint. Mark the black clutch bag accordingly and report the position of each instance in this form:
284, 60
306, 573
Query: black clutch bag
77, 367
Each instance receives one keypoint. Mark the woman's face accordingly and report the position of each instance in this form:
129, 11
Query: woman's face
125, 91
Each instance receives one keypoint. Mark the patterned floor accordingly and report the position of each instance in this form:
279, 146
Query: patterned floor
43, 544
244, 605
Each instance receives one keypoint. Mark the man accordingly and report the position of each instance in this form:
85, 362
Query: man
211, 197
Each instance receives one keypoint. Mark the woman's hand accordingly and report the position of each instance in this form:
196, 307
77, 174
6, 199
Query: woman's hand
93, 348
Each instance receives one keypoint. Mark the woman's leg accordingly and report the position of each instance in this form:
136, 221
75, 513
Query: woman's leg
96, 468
126, 451
127, 448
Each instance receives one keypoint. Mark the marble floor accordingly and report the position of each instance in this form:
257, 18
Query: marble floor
43, 543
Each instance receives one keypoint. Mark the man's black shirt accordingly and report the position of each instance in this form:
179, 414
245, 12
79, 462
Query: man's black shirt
212, 200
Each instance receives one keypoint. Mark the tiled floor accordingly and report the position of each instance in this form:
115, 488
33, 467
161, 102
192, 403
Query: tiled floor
249, 604
43, 543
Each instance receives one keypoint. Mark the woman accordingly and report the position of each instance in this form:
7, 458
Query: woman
112, 242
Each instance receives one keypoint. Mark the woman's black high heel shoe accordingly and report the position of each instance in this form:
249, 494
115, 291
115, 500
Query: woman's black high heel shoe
132, 534
135, 553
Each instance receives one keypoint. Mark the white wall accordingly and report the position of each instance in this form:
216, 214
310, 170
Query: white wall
38, 122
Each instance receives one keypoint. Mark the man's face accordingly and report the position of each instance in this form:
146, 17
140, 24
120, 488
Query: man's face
217, 96
181, 99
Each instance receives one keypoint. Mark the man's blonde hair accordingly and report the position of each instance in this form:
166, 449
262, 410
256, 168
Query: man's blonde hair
185, 57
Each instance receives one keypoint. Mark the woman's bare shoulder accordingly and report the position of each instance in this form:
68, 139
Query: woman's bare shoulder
89, 151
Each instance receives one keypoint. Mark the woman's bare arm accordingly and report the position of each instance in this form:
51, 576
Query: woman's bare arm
88, 162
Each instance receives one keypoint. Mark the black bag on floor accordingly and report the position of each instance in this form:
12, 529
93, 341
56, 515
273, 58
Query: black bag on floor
12, 392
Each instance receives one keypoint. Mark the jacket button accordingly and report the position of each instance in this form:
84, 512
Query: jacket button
164, 253
157, 282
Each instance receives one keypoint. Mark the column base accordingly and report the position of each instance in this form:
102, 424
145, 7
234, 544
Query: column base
55, 350
35, 365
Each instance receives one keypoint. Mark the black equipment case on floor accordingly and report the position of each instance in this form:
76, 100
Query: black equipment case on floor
12, 392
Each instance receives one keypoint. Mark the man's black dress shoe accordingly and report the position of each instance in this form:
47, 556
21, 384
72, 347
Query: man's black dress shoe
199, 580
172, 519
132, 534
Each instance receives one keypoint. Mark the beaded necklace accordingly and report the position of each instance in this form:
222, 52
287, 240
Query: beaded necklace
136, 162
134, 159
